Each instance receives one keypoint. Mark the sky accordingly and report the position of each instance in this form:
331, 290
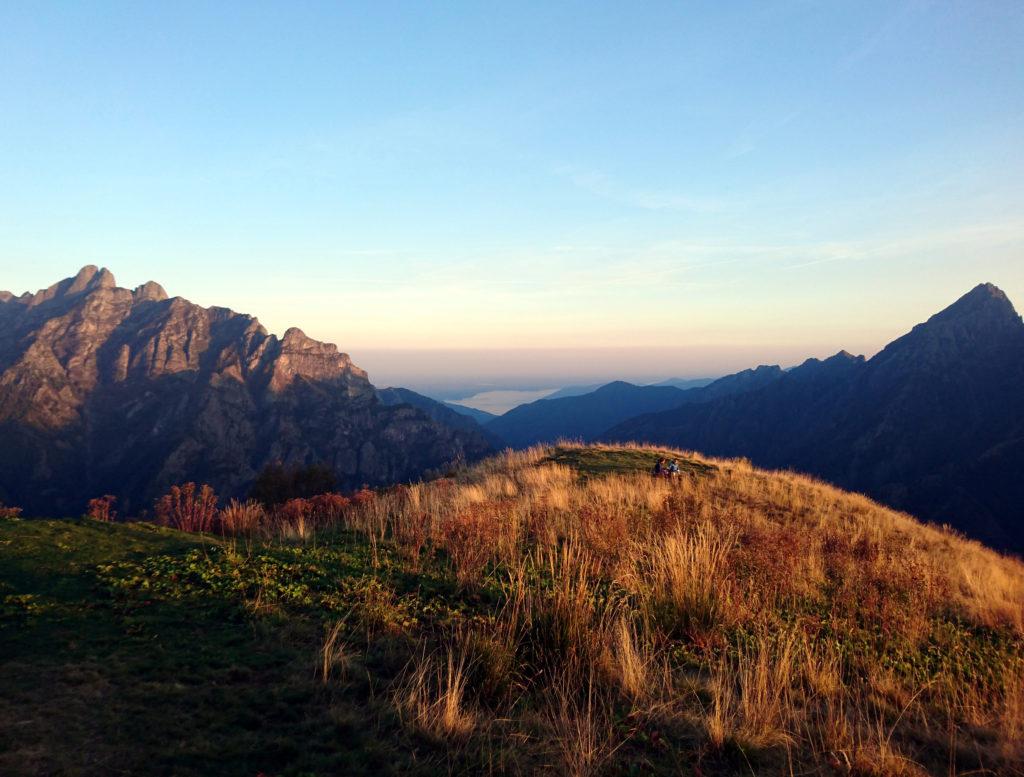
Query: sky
524, 195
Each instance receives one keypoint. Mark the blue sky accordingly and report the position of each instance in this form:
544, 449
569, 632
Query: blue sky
524, 192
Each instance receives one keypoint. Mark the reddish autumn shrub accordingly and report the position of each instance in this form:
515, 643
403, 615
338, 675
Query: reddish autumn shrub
883, 583
411, 533
605, 532
242, 517
471, 538
102, 508
678, 509
328, 509
540, 528
9, 512
444, 486
188, 508
770, 558
363, 496
295, 512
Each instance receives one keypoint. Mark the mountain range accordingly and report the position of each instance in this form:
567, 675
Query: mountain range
933, 424
587, 416
106, 390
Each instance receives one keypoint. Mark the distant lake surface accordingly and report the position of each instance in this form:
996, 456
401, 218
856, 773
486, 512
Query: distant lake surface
499, 402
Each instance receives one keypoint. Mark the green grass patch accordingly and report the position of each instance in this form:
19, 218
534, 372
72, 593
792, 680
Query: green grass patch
132, 649
596, 462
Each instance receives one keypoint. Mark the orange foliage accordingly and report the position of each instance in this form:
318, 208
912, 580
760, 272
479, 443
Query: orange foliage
295, 511
9, 512
242, 517
102, 508
471, 538
363, 496
188, 508
411, 534
328, 508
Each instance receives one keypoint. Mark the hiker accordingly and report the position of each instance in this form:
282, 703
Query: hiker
659, 469
673, 468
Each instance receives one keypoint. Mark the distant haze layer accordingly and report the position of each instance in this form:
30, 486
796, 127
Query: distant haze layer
457, 374
502, 401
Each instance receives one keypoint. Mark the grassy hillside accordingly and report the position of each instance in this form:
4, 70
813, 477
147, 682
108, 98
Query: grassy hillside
555, 611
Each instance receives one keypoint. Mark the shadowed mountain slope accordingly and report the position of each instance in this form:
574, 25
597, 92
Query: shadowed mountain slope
107, 390
932, 424
480, 416
441, 412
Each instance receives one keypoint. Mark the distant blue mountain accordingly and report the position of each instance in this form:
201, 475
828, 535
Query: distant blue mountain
588, 415
575, 391
686, 383
480, 416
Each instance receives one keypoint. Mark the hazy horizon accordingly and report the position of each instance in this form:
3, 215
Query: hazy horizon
458, 373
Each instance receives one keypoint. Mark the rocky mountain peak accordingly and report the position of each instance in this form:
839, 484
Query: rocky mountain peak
985, 304
980, 324
90, 278
302, 356
296, 340
81, 280
843, 359
150, 290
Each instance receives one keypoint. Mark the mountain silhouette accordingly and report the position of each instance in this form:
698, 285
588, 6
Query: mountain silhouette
932, 424
480, 416
586, 416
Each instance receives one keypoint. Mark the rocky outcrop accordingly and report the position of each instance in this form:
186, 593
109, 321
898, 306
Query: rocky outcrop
106, 390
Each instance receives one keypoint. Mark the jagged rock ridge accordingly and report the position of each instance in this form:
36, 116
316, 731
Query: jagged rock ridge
107, 390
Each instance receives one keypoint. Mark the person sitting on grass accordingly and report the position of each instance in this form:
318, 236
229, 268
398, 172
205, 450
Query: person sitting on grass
659, 469
673, 468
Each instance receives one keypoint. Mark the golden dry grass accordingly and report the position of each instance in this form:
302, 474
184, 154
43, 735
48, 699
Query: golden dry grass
761, 612
432, 695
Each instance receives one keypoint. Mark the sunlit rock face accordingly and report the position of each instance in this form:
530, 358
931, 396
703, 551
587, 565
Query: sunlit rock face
108, 390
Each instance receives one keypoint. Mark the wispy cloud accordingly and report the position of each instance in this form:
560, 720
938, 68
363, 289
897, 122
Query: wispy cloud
757, 130
973, 236
883, 31
540, 274
603, 185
